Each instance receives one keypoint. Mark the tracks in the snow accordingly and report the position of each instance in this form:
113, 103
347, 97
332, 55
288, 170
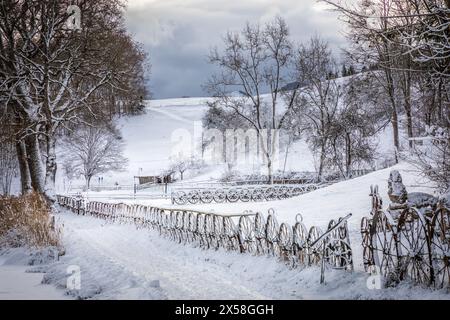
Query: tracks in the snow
145, 256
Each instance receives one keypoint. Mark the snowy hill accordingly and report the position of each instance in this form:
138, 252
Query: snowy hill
148, 142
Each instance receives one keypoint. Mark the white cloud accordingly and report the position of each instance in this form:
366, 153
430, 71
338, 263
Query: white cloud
179, 33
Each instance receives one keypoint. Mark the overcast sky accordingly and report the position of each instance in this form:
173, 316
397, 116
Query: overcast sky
178, 34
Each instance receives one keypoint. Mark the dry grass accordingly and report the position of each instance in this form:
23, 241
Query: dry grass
26, 221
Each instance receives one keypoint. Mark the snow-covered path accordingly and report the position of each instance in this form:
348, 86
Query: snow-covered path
20, 282
140, 254
145, 259
121, 262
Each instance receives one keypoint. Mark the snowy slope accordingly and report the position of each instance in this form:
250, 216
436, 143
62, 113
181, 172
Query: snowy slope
148, 136
148, 142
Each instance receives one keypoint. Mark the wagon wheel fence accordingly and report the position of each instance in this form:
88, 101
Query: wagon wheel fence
242, 194
413, 245
247, 233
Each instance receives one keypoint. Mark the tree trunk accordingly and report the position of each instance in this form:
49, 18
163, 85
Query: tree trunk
88, 182
269, 170
286, 156
394, 123
321, 161
51, 166
348, 157
406, 87
391, 95
409, 125
25, 178
394, 116
34, 160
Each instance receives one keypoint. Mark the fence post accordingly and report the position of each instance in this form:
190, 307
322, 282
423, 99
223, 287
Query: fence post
322, 265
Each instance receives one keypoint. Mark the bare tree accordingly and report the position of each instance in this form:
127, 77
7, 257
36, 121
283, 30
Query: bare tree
367, 25
256, 61
319, 99
94, 150
432, 156
181, 165
351, 141
409, 42
51, 74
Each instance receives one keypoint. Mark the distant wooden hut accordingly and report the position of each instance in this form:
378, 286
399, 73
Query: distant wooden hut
154, 179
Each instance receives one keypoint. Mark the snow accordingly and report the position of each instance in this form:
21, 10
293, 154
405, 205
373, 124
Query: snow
317, 207
148, 144
122, 262
18, 281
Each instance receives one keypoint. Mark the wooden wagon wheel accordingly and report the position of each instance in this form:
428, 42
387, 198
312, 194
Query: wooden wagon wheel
257, 195
219, 195
272, 229
140, 214
285, 241
415, 256
179, 226
342, 230
230, 233
283, 192
201, 233
314, 253
193, 196
335, 233
259, 223
153, 217
246, 234
233, 195
270, 194
367, 243
209, 230
163, 220
180, 198
206, 196
246, 195
440, 244
219, 230
285, 236
192, 227
338, 254
166, 224
300, 235
172, 224
185, 227
384, 244
296, 191
259, 229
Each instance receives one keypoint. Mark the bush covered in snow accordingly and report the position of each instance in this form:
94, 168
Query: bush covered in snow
26, 221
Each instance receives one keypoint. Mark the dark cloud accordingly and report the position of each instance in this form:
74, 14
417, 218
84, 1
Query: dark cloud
178, 34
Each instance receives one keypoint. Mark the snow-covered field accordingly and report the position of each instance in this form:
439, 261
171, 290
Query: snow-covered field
148, 144
120, 262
